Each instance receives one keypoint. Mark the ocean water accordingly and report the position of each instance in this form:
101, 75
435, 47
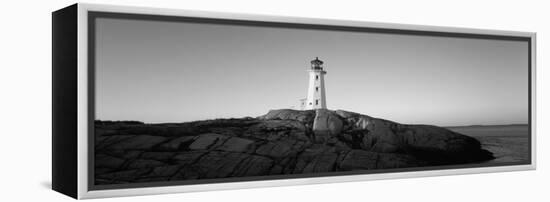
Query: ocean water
508, 143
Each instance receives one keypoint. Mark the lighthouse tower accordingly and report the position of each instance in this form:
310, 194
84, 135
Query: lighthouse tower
316, 98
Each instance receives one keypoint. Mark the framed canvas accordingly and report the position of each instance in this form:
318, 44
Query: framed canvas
150, 101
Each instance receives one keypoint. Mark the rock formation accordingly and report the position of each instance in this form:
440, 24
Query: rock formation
280, 142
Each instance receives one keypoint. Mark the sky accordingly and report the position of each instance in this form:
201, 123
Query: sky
154, 71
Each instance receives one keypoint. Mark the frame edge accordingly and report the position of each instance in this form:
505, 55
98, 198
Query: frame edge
64, 134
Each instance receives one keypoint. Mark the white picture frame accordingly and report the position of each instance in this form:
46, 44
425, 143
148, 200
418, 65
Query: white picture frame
80, 188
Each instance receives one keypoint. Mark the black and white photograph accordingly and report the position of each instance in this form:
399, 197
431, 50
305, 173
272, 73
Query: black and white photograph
194, 101
275, 101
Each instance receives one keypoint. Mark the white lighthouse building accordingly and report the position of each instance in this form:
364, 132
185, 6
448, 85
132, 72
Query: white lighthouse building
316, 97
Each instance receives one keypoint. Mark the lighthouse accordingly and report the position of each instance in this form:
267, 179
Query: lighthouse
316, 97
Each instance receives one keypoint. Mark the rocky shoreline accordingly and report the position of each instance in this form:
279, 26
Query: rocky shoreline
280, 142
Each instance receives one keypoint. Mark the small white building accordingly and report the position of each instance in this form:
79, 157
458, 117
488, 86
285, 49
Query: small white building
316, 97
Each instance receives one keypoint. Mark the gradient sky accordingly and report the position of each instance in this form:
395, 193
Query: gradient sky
156, 71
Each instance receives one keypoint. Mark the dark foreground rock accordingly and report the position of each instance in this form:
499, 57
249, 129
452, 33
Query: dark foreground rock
280, 142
